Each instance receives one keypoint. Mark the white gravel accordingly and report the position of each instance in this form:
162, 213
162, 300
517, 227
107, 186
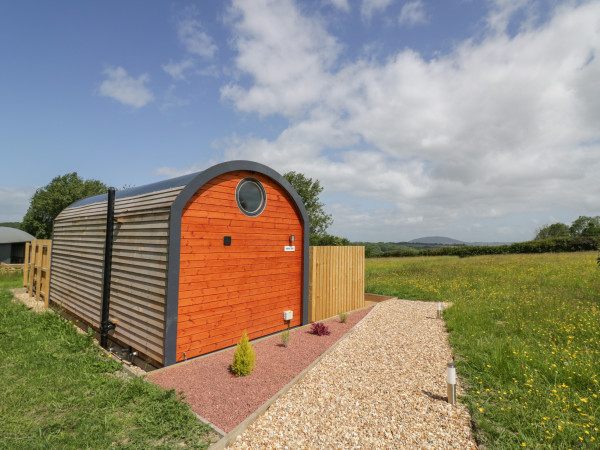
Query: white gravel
383, 386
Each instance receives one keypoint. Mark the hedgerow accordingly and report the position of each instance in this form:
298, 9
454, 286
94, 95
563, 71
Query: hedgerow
551, 245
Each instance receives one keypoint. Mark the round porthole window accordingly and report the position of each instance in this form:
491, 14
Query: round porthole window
250, 196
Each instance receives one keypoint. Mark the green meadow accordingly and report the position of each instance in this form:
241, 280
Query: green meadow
525, 330
59, 390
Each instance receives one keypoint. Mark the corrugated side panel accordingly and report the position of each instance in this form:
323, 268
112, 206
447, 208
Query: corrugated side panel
139, 268
224, 290
77, 255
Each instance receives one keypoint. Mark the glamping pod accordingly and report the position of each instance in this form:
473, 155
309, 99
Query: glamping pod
195, 260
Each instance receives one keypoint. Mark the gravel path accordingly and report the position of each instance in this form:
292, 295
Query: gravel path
384, 386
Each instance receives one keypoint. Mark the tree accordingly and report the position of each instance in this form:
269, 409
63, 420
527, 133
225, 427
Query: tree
11, 224
585, 226
49, 201
309, 191
555, 230
328, 239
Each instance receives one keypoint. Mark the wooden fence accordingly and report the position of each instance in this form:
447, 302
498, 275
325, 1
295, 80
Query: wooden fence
10, 267
337, 281
36, 272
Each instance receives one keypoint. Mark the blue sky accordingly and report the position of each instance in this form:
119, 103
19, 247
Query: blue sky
478, 120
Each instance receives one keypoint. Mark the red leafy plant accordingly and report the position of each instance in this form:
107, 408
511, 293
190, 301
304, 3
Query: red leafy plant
320, 329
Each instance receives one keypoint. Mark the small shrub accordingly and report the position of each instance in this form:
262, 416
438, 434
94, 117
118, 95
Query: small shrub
244, 358
343, 317
320, 329
285, 338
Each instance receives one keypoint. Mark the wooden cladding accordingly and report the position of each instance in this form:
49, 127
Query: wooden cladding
336, 281
225, 289
139, 267
36, 269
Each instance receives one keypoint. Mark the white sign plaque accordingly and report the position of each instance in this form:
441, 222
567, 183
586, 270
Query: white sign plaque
289, 248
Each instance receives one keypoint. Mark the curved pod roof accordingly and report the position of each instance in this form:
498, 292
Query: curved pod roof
10, 235
194, 181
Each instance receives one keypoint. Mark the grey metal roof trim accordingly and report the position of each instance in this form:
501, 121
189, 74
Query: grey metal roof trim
139, 190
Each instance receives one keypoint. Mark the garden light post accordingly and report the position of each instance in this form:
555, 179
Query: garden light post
451, 383
439, 310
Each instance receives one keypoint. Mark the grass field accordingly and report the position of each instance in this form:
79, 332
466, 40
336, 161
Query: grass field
58, 390
525, 330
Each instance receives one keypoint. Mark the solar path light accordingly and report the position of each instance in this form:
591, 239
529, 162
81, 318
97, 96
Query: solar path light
451, 383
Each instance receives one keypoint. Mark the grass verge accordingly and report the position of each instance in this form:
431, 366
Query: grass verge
525, 331
59, 390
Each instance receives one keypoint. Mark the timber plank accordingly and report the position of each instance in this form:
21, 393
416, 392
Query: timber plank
160, 273
148, 263
128, 252
141, 285
138, 319
77, 291
146, 247
157, 301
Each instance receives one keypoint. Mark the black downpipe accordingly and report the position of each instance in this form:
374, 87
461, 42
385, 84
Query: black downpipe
105, 324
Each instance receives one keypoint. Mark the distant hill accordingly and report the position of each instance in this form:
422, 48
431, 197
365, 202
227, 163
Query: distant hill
374, 249
437, 240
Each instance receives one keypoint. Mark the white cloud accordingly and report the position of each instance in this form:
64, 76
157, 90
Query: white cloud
370, 7
199, 47
14, 202
341, 4
501, 127
413, 13
125, 89
196, 41
285, 53
177, 70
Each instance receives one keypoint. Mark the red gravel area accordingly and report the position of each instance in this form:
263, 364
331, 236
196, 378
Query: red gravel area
225, 400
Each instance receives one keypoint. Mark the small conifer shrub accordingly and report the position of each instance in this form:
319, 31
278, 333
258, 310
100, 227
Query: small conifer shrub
343, 317
244, 358
320, 329
285, 338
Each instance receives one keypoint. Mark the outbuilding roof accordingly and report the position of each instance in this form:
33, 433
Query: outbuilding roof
10, 235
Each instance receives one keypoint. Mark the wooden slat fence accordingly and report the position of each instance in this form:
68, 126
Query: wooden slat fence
11, 267
36, 272
336, 282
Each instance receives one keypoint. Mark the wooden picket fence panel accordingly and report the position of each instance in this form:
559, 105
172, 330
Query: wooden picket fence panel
36, 272
336, 282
